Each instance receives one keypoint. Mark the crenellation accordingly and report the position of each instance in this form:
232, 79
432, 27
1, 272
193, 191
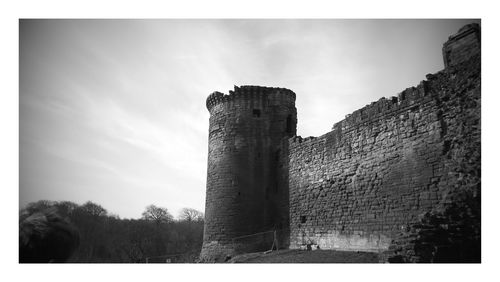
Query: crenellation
248, 96
410, 98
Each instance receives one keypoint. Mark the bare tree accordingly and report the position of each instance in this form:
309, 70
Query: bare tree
157, 214
190, 214
66, 208
94, 209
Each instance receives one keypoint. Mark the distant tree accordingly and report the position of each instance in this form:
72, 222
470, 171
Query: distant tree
66, 208
104, 237
157, 214
114, 216
189, 214
94, 209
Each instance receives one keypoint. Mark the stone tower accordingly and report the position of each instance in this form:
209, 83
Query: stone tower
247, 184
461, 46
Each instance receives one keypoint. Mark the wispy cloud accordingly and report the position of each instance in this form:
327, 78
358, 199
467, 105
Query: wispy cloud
113, 111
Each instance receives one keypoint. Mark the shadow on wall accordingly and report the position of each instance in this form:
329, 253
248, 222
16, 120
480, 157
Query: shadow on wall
451, 236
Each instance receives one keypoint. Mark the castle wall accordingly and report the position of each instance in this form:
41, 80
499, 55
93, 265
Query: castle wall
388, 163
461, 46
246, 191
398, 171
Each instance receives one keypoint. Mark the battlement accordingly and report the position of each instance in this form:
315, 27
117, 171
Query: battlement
408, 100
299, 139
248, 92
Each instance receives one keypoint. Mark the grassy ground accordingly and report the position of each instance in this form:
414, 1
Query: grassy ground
300, 256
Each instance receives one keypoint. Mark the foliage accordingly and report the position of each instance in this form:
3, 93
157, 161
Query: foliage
157, 214
94, 209
189, 214
107, 238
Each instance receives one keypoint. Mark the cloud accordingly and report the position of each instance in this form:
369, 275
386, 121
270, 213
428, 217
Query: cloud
113, 111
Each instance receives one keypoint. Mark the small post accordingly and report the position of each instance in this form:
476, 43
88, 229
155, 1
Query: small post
276, 240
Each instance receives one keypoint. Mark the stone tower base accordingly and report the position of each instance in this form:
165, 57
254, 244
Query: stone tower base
216, 251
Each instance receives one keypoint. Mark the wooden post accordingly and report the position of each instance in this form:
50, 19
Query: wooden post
276, 239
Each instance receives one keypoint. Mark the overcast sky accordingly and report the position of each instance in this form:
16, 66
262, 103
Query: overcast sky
113, 111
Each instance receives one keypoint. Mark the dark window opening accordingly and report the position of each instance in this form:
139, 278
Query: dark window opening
277, 155
289, 124
303, 219
256, 113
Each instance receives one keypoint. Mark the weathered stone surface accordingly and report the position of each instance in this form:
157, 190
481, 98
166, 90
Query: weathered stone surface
462, 45
377, 171
400, 176
247, 188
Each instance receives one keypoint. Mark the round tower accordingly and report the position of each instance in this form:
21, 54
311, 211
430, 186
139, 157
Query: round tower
247, 158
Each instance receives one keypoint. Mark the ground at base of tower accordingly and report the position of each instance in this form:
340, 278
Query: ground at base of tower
301, 256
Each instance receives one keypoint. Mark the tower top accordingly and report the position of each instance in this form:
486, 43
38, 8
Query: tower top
462, 45
248, 92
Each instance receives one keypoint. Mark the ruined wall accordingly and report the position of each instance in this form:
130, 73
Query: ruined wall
377, 171
462, 45
246, 191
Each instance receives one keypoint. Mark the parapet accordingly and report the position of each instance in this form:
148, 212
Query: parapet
248, 92
407, 99
462, 45
461, 50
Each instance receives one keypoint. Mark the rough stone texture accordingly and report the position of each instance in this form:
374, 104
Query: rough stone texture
462, 45
400, 176
358, 186
247, 189
446, 234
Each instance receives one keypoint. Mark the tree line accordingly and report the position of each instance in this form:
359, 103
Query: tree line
104, 237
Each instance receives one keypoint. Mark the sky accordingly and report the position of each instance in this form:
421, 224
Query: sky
113, 111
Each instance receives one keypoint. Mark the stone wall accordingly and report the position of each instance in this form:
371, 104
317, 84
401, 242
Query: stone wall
462, 45
246, 191
382, 167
